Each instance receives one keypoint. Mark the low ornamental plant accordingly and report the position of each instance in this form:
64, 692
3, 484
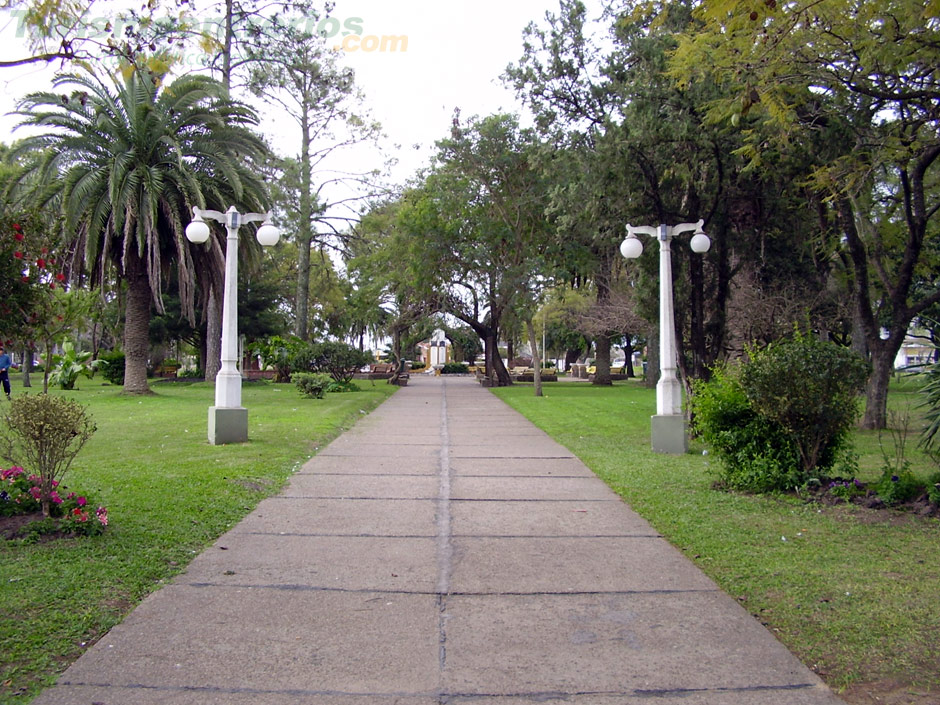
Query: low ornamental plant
44, 433
846, 489
20, 493
312, 384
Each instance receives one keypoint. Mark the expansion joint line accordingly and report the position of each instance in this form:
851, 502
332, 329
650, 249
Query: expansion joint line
445, 551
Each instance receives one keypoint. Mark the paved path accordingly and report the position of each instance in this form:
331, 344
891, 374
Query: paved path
442, 551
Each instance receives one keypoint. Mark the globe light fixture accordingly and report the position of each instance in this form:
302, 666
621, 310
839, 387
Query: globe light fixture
228, 419
669, 433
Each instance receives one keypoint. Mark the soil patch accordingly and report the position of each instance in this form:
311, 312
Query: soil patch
18, 526
888, 692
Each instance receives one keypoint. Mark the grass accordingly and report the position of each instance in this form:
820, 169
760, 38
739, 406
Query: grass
169, 494
852, 592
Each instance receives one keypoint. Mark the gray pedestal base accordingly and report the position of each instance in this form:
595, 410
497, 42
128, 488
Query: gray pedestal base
227, 425
669, 434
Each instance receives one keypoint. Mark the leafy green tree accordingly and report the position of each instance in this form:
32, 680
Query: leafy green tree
124, 164
472, 234
625, 144
302, 76
865, 75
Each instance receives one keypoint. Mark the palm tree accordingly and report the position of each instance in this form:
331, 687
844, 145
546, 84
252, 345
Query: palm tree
124, 164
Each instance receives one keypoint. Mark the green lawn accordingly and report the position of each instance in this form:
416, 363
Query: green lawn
168, 493
852, 592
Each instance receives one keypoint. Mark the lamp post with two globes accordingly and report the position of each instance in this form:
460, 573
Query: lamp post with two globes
668, 425
228, 420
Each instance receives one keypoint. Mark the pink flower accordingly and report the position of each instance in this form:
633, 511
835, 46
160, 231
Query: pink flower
81, 501
102, 515
54, 496
35, 492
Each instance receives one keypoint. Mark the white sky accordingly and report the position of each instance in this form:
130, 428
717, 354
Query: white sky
456, 51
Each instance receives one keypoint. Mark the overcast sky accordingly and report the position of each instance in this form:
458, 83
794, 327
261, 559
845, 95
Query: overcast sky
452, 55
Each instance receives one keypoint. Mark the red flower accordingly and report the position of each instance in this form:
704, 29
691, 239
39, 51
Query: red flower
41, 263
26, 278
60, 277
18, 236
45, 250
17, 227
18, 254
52, 285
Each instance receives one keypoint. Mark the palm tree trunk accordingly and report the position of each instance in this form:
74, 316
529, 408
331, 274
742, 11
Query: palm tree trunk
213, 336
136, 326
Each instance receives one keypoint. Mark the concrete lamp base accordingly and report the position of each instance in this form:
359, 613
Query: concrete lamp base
228, 425
670, 434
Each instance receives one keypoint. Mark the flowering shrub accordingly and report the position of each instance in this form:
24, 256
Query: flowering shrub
846, 489
46, 433
20, 494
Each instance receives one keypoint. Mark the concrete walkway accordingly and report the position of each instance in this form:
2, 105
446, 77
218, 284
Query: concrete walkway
442, 551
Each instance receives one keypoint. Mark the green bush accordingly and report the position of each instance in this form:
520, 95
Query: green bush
311, 384
283, 355
455, 368
810, 389
755, 453
112, 367
335, 387
933, 488
930, 439
899, 486
69, 365
339, 360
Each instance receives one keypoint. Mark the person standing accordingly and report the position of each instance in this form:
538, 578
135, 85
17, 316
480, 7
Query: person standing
5, 363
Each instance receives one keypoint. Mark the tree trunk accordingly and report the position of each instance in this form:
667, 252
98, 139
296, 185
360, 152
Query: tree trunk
213, 359
571, 357
495, 369
602, 341
304, 230
876, 396
602, 361
536, 358
652, 359
27, 366
697, 318
136, 326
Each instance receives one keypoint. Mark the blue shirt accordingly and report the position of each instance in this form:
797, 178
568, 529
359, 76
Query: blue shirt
5, 362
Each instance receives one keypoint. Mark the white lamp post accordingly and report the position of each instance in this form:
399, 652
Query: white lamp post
228, 420
668, 425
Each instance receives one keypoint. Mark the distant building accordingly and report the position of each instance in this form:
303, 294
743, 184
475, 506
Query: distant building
916, 350
436, 352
